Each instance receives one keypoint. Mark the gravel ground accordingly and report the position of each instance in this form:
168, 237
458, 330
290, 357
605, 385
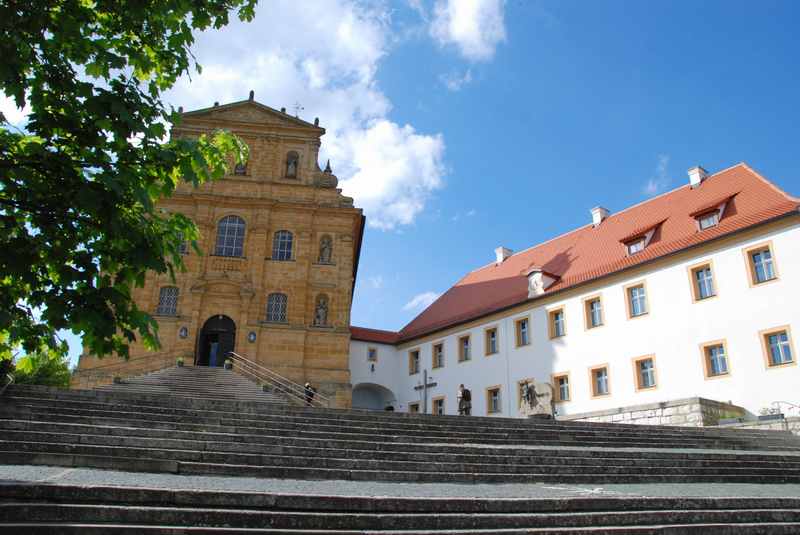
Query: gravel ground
86, 476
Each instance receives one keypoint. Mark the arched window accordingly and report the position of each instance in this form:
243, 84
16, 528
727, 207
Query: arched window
276, 308
321, 311
282, 245
292, 164
230, 236
167, 301
325, 250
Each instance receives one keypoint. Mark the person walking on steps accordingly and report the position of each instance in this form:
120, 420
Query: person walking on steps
309, 391
464, 398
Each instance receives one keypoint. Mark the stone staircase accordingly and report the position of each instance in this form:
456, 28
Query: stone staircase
196, 382
178, 422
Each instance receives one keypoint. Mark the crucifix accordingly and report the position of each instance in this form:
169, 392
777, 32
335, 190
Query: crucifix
297, 109
424, 387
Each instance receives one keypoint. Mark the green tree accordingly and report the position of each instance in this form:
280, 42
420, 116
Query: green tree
79, 225
43, 367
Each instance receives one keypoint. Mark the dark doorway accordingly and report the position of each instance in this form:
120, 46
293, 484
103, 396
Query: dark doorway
216, 341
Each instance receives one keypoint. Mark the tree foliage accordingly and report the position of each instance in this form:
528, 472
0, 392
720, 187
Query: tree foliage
43, 367
79, 224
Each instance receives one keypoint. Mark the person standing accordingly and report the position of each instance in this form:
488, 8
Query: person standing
309, 391
464, 398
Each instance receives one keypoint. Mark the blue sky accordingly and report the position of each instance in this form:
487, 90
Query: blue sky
462, 125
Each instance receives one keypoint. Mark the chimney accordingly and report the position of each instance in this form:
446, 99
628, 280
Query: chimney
501, 253
696, 176
599, 214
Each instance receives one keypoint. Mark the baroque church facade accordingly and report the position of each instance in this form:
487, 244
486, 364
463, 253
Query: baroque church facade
280, 248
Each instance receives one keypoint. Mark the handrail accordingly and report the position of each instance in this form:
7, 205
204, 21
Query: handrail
282, 384
119, 363
10, 381
777, 406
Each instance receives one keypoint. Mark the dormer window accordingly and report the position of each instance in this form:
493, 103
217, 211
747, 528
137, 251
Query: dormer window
636, 246
708, 220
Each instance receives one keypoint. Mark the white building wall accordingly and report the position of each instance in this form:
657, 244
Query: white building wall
672, 331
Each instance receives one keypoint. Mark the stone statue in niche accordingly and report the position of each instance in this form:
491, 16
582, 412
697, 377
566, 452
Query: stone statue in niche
291, 164
537, 400
325, 250
321, 312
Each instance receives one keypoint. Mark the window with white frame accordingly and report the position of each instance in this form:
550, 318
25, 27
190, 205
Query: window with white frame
491, 341
464, 348
645, 373
413, 362
523, 332
636, 246
716, 360
493, 400
762, 265
558, 326
562, 387
438, 406
438, 356
600, 381
594, 313
167, 301
703, 282
708, 220
282, 245
637, 301
276, 307
230, 236
779, 350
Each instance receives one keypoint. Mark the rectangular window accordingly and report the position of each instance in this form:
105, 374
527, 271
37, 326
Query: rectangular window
637, 301
372, 354
645, 369
557, 323
493, 400
413, 408
561, 384
593, 312
491, 341
600, 381
167, 301
708, 220
413, 362
438, 406
763, 268
438, 356
636, 246
464, 349
523, 332
715, 359
778, 347
702, 282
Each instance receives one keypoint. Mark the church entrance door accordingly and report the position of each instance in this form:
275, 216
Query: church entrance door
216, 340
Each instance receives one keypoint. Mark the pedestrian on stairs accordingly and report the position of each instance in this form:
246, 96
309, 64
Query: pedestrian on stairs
464, 398
310, 391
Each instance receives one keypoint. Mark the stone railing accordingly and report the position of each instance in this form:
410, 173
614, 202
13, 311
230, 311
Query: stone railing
226, 263
105, 373
692, 412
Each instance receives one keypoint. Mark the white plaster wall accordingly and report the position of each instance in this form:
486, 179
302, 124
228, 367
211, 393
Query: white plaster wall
672, 331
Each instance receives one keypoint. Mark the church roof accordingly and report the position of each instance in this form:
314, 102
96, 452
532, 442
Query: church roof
589, 253
278, 114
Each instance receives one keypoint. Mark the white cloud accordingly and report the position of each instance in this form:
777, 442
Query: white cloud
325, 54
421, 301
454, 81
660, 181
459, 215
475, 27
376, 282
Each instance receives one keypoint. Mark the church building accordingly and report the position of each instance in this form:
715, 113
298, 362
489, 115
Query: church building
280, 248
691, 294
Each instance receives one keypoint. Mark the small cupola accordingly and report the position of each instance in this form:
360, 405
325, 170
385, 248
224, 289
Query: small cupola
697, 175
599, 214
501, 253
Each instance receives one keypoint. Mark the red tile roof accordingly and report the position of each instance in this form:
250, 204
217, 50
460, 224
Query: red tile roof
373, 335
589, 252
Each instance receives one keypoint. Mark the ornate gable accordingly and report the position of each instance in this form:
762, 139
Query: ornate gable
251, 112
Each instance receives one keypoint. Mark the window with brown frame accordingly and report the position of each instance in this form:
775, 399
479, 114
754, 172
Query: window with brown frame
558, 323
464, 348
636, 300
715, 359
413, 408
593, 311
523, 330
777, 346
437, 406
702, 278
761, 264
413, 362
492, 342
561, 389
600, 381
493, 400
437, 356
645, 370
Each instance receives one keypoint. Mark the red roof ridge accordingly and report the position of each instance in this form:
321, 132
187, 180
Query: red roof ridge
769, 183
368, 334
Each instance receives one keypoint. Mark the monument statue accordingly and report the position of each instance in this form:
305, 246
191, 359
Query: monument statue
536, 400
325, 250
321, 312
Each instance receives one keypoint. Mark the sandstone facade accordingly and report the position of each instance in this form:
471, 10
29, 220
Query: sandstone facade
280, 189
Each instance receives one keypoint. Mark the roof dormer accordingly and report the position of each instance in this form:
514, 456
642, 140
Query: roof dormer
637, 241
710, 214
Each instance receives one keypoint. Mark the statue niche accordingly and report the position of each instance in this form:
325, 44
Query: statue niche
292, 164
325, 250
321, 311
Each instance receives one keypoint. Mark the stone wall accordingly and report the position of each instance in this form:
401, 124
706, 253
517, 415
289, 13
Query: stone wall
791, 424
691, 412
